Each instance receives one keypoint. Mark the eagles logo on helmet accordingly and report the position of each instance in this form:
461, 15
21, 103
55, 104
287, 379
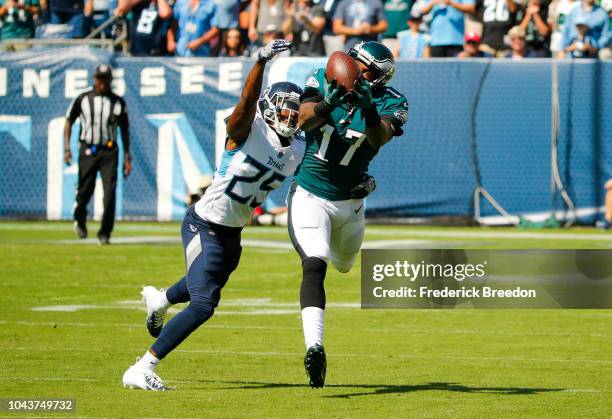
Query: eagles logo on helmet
378, 58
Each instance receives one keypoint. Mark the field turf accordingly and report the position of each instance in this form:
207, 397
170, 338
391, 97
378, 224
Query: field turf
71, 323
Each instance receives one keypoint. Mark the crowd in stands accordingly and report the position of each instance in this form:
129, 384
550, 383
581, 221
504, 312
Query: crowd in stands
514, 29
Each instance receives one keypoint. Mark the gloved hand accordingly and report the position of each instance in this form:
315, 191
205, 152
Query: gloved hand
274, 47
334, 95
362, 96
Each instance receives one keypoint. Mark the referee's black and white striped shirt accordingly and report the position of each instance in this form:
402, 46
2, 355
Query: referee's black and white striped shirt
100, 115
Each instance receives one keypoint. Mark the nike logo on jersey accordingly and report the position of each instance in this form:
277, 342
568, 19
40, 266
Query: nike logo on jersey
357, 210
192, 228
271, 162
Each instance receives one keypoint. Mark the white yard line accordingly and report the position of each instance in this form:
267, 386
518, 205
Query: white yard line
400, 231
516, 235
453, 357
400, 328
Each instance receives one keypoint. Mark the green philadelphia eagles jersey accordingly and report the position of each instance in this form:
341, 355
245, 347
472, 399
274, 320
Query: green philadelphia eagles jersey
337, 154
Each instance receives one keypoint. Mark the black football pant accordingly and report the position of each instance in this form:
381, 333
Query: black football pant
212, 253
105, 161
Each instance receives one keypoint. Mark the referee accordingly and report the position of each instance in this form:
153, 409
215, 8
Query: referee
100, 112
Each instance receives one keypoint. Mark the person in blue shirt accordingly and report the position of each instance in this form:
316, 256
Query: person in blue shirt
582, 45
447, 25
148, 24
594, 17
228, 12
359, 20
413, 43
196, 21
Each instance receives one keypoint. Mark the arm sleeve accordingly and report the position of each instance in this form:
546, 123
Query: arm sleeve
604, 38
214, 18
74, 110
396, 112
567, 41
124, 125
380, 12
339, 13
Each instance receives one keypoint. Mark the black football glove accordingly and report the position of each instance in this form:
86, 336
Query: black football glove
364, 188
334, 95
362, 95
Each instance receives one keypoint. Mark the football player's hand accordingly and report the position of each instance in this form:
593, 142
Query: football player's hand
274, 47
334, 95
363, 95
67, 157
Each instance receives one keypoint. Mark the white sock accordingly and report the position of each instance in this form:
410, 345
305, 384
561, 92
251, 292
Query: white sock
148, 361
312, 322
164, 300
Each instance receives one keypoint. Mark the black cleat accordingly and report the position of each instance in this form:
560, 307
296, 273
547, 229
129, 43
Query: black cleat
103, 240
315, 363
80, 230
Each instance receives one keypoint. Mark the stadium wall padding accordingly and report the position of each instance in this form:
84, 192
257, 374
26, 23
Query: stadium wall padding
176, 108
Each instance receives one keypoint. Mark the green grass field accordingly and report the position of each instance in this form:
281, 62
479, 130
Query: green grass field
72, 323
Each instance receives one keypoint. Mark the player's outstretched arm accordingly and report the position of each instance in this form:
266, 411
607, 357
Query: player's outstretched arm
240, 121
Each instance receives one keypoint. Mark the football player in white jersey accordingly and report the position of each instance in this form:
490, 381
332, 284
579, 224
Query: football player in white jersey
260, 151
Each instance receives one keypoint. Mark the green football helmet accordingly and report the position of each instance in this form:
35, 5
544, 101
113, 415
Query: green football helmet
378, 58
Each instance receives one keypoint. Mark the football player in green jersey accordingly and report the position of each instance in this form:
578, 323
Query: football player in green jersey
344, 131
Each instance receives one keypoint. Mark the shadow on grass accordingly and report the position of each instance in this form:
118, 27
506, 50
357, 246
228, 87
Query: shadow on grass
374, 389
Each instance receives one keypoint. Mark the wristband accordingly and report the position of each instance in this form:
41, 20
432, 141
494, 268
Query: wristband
372, 118
323, 109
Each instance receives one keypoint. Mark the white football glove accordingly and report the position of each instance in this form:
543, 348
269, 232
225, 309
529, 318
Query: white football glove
274, 47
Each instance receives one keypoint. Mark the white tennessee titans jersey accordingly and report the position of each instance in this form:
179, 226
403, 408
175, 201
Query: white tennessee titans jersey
246, 175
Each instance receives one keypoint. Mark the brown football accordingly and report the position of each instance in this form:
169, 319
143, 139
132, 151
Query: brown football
344, 69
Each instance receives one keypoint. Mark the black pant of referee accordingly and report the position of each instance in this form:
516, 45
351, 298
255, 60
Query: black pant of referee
91, 161
100, 112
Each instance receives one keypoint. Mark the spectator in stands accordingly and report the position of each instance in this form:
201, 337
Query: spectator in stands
359, 20
196, 24
557, 16
17, 20
331, 41
497, 17
471, 47
147, 25
582, 45
534, 22
447, 25
398, 13
69, 12
594, 17
233, 45
228, 12
413, 43
605, 53
305, 22
608, 203
518, 46
266, 20
96, 13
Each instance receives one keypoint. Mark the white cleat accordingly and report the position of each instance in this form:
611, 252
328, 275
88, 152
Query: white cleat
156, 309
141, 378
